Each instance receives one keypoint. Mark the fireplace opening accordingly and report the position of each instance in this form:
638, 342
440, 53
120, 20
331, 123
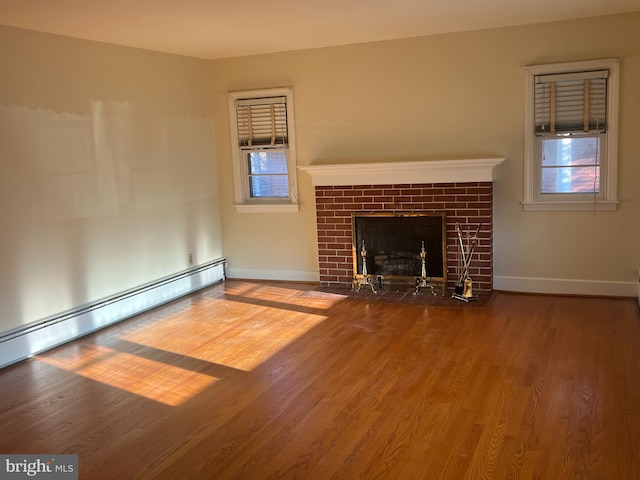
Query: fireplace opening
393, 244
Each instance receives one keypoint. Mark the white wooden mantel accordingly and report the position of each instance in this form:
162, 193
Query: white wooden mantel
428, 171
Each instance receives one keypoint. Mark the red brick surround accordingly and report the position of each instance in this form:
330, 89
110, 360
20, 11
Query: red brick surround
467, 204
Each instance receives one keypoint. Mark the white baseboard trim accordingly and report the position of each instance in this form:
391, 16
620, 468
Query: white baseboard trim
48, 333
281, 275
562, 286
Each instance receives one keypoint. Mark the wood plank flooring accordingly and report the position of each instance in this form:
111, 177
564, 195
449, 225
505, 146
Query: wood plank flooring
256, 380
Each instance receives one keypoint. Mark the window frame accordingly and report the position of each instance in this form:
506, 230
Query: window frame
606, 199
243, 202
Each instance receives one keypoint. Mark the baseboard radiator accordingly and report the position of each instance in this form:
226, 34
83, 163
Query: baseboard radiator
37, 337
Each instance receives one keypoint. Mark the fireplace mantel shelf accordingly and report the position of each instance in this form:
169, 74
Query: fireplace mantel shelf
429, 171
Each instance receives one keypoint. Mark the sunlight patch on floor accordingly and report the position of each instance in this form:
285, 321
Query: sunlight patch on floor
240, 329
241, 341
237, 334
156, 381
285, 295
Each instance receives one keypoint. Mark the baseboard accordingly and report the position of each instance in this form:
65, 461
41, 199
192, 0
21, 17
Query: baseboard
282, 275
561, 286
45, 334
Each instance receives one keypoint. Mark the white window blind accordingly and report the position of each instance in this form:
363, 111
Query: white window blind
571, 103
262, 123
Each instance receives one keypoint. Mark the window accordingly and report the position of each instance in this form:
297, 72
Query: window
263, 148
571, 112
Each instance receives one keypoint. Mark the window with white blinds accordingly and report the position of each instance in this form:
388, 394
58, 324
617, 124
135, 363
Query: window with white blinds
264, 164
571, 102
570, 127
262, 122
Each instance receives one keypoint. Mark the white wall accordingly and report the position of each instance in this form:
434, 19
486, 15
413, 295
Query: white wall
108, 171
443, 97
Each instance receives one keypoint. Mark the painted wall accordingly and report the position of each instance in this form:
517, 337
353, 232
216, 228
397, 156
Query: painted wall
108, 171
442, 97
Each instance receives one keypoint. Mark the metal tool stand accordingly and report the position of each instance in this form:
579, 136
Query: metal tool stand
464, 286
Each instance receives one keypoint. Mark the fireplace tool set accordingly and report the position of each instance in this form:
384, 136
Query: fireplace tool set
463, 289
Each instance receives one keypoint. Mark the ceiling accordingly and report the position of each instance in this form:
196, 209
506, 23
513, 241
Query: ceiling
212, 29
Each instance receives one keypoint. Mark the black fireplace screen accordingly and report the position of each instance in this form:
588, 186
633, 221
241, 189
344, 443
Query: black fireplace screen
393, 243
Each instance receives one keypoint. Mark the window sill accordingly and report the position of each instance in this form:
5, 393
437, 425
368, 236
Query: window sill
267, 208
600, 206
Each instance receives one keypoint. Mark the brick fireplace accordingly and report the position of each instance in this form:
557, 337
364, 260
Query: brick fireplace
462, 189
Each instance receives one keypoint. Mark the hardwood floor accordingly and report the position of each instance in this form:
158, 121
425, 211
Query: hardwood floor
253, 380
